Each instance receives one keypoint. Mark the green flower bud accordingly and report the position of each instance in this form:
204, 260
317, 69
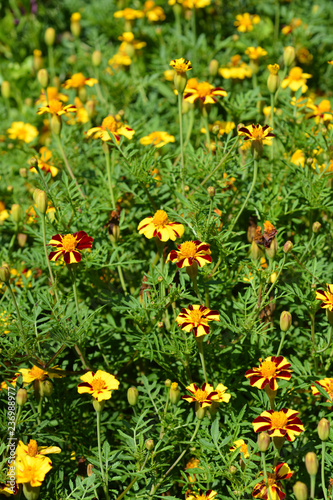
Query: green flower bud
46, 388
180, 80
174, 393
96, 58
4, 273
16, 212
289, 55
311, 463
288, 246
263, 441
98, 405
211, 191
50, 35
273, 83
56, 124
324, 429
213, 67
21, 239
40, 200
285, 321
21, 397
167, 383
31, 492
149, 444
316, 227
43, 77
272, 249
199, 412
90, 470
300, 491
5, 89
132, 396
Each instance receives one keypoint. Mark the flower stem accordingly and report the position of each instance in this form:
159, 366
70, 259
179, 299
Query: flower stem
109, 170
51, 61
283, 334
207, 132
312, 485
104, 478
202, 356
69, 170
18, 317
272, 125
180, 104
196, 289
75, 297
323, 444
255, 173
263, 461
47, 258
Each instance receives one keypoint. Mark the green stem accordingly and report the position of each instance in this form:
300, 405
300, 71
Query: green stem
180, 114
272, 125
196, 289
323, 444
134, 480
104, 478
51, 62
255, 173
283, 334
263, 461
328, 341
207, 132
75, 296
18, 317
47, 258
312, 485
109, 170
313, 338
277, 21
69, 170
202, 356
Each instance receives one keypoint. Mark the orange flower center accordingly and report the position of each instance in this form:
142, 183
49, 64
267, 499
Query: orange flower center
55, 106
279, 420
69, 243
32, 448
204, 89
201, 395
196, 316
324, 105
160, 218
257, 133
296, 73
268, 368
188, 249
37, 373
78, 80
235, 60
109, 123
97, 384
271, 478
244, 449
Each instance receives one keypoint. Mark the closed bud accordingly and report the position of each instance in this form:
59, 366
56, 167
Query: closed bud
167, 383
46, 388
160, 324
232, 469
263, 441
43, 77
300, 491
213, 67
30, 492
180, 80
132, 396
4, 273
23, 172
50, 35
324, 429
21, 239
75, 26
83, 94
255, 252
21, 397
311, 463
316, 227
56, 124
273, 83
199, 412
174, 393
285, 321
211, 191
150, 444
288, 246
98, 405
16, 212
40, 200
90, 470
289, 55
90, 107
96, 58
272, 249
5, 89
37, 59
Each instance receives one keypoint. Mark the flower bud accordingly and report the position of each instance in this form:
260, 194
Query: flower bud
285, 321
199, 412
96, 58
98, 405
300, 490
233, 469
174, 393
311, 463
21, 239
288, 246
273, 83
16, 212
324, 429
23, 172
167, 383
132, 396
272, 249
50, 35
46, 388
21, 397
213, 67
211, 191
75, 24
180, 80
56, 124
43, 77
150, 444
83, 94
30, 492
316, 227
37, 59
263, 441
289, 55
255, 252
5, 89
192, 270
90, 471
40, 200
4, 273
90, 107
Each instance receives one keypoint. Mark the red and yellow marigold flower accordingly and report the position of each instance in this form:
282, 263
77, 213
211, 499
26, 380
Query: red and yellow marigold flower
284, 423
157, 139
31, 374
111, 125
269, 370
327, 385
326, 297
296, 79
69, 246
159, 225
274, 491
196, 318
245, 22
191, 252
32, 450
256, 133
100, 385
78, 80
205, 92
22, 131
181, 65
209, 495
240, 446
289, 28
44, 162
3, 212
32, 470
204, 396
12, 381
56, 107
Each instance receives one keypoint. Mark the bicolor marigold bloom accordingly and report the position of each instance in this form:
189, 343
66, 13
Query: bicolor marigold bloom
56, 107
245, 22
269, 370
22, 131
196, 318
69, 246
181, 65
236, 69
326, 297
204, 396
3, 212
129, 14
160, 226
12, 381
321, 112
78, 80
327, 385
44, 162
256, 133
100, 385
274, 491
284, 423
190, 252
204, 91
289, 28
31, 374
157, 139
32, 470
241, 446
255, 53
32, 450
209, 495
296, 79
111, 125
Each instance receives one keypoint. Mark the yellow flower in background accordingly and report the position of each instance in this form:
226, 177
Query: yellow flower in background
219, 128
100, 384
111, 125
255, 53
169, 75
22, 131
129, 44
51, 94
75, 17
298, 158
205, 92
121, 58
129, 14
153, 12
159, 225
273, 69
12, 381
157, 139
44, 162
289, 28
3, 212
245, 22
81, 115
181, 65
78, 80
296, 79
241, 446
304, 56
321, 112
4, 322
196, 4
236, 69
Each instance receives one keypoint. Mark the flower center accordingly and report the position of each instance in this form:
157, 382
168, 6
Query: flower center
196, 316
32, 448
235, 60
52, 93
109, 123
244, 449
268, 368
78, 80
296, 73
201, 395
271, 478
160, 218
69, 243
97, 384
156, 138
36, 372
188, 249
324, 105
55, 106
204, 89
279, 420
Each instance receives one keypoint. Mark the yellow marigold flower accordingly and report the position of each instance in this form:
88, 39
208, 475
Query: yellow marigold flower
298, 158
269, 370
296, 79
129, 14
56, 108
12, 381
158, 139
44, 162
111, 125
255, 53
236, 69
241, 446
281, 472
204, 396
273, 69
121, 58
284, 423
256, 133
321, 112
32, 470
160, 226
153, 12
4, 321
209, 495
3, 212
289, 28
181, 65
221, 392
129, 43
31, 374
204, 91
78, 80
196, 4
327, 385
220, 128
191, 252
75, 17
100, 385
169, 75
245, 22
326, 297
51, 94
267, 111
32, 450
330, 62
196, 318
22, 131
304, 56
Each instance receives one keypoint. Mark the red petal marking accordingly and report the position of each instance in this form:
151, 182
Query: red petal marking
180, 263
52, 254
284, 374
190, 307
85, 384
57, 237
173, 255
212, 313
184, 325
195, 331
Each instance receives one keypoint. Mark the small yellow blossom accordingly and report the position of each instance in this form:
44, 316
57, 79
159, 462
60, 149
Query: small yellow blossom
296, 79
3, 212
111, 125
273, 69
181, 65
44, 162
245, 22
255, 53
236, 69
153, 12
129, 14
158, 139
22, 131
78, 80
289, 28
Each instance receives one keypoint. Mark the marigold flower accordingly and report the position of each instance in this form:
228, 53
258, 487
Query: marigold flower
298, 158
221, 392
209, 495
100, 385
204, 91
121, 58
153, 12
241, 446
296, 79
274, 492
321, 112
326, 297
236, 69
196, 4
283, 423
43, 162
75, 17
289, 28
32, 450
267, 237
269, 370
160, 226
69, 246
158, 139
196, 318
181, 65
22, 131
3, 212
204, 396
32, 470
78, 80
12, 381
190, 252
245, 22
255, 53
31, 374
255, 133
327, 385
129, 14
4, 321
111, 125
51, 94
129, 43
56, 107
273, 69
